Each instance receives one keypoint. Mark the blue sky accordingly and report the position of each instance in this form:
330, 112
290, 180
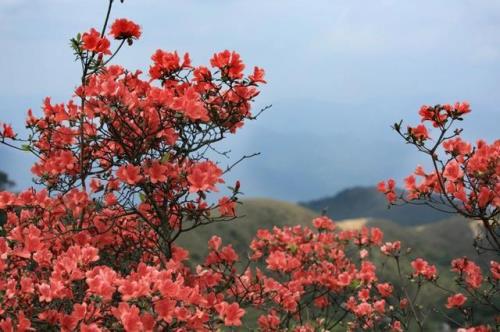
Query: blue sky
339, 72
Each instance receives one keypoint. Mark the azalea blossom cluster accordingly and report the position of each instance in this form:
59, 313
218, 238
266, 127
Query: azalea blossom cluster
312, 279
464, 177
54, 277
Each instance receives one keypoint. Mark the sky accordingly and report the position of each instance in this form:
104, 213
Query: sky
339, 74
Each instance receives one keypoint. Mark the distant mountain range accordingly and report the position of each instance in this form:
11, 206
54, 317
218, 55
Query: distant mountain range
367, 202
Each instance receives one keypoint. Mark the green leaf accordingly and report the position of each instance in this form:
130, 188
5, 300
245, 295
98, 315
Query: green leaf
355, 284
165, 158
142, 197
293, 248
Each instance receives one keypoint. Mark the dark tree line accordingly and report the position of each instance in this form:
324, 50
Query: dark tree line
5, 183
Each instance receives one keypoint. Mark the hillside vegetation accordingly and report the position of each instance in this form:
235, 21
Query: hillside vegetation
253, 214
438, 240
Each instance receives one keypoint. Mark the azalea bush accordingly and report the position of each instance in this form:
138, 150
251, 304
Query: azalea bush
464, 180
123, 171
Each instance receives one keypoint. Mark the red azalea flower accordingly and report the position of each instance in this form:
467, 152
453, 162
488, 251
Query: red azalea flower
129, 174
456, 301
92, 41
125, 29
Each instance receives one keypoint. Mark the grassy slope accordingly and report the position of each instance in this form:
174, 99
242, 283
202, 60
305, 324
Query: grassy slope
255, 214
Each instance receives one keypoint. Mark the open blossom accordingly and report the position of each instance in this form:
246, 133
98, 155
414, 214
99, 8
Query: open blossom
462, 108
410, 183
344, 279
166, 63
227, 207
469, 270
363, 309
157, 172
125, 29
456, 301
437, 115
6, 199
324, 223
388, 189
453, 172
93, 42
214, 243
129, 316
101, 281
269, 322
367, 272
129, 174
391, 248
423, 268
379, 306
419, 132
396, 326
457, 146
257, 76
7, 131
204, 176
385, 289
191, 105
230, 313
485, 197
230, 63
281, 261
45, 292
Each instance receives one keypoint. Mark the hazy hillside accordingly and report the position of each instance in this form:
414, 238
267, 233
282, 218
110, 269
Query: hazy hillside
361, 202
438, 241
255, 214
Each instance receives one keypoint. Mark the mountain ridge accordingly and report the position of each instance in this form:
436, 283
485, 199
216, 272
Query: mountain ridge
367, 202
